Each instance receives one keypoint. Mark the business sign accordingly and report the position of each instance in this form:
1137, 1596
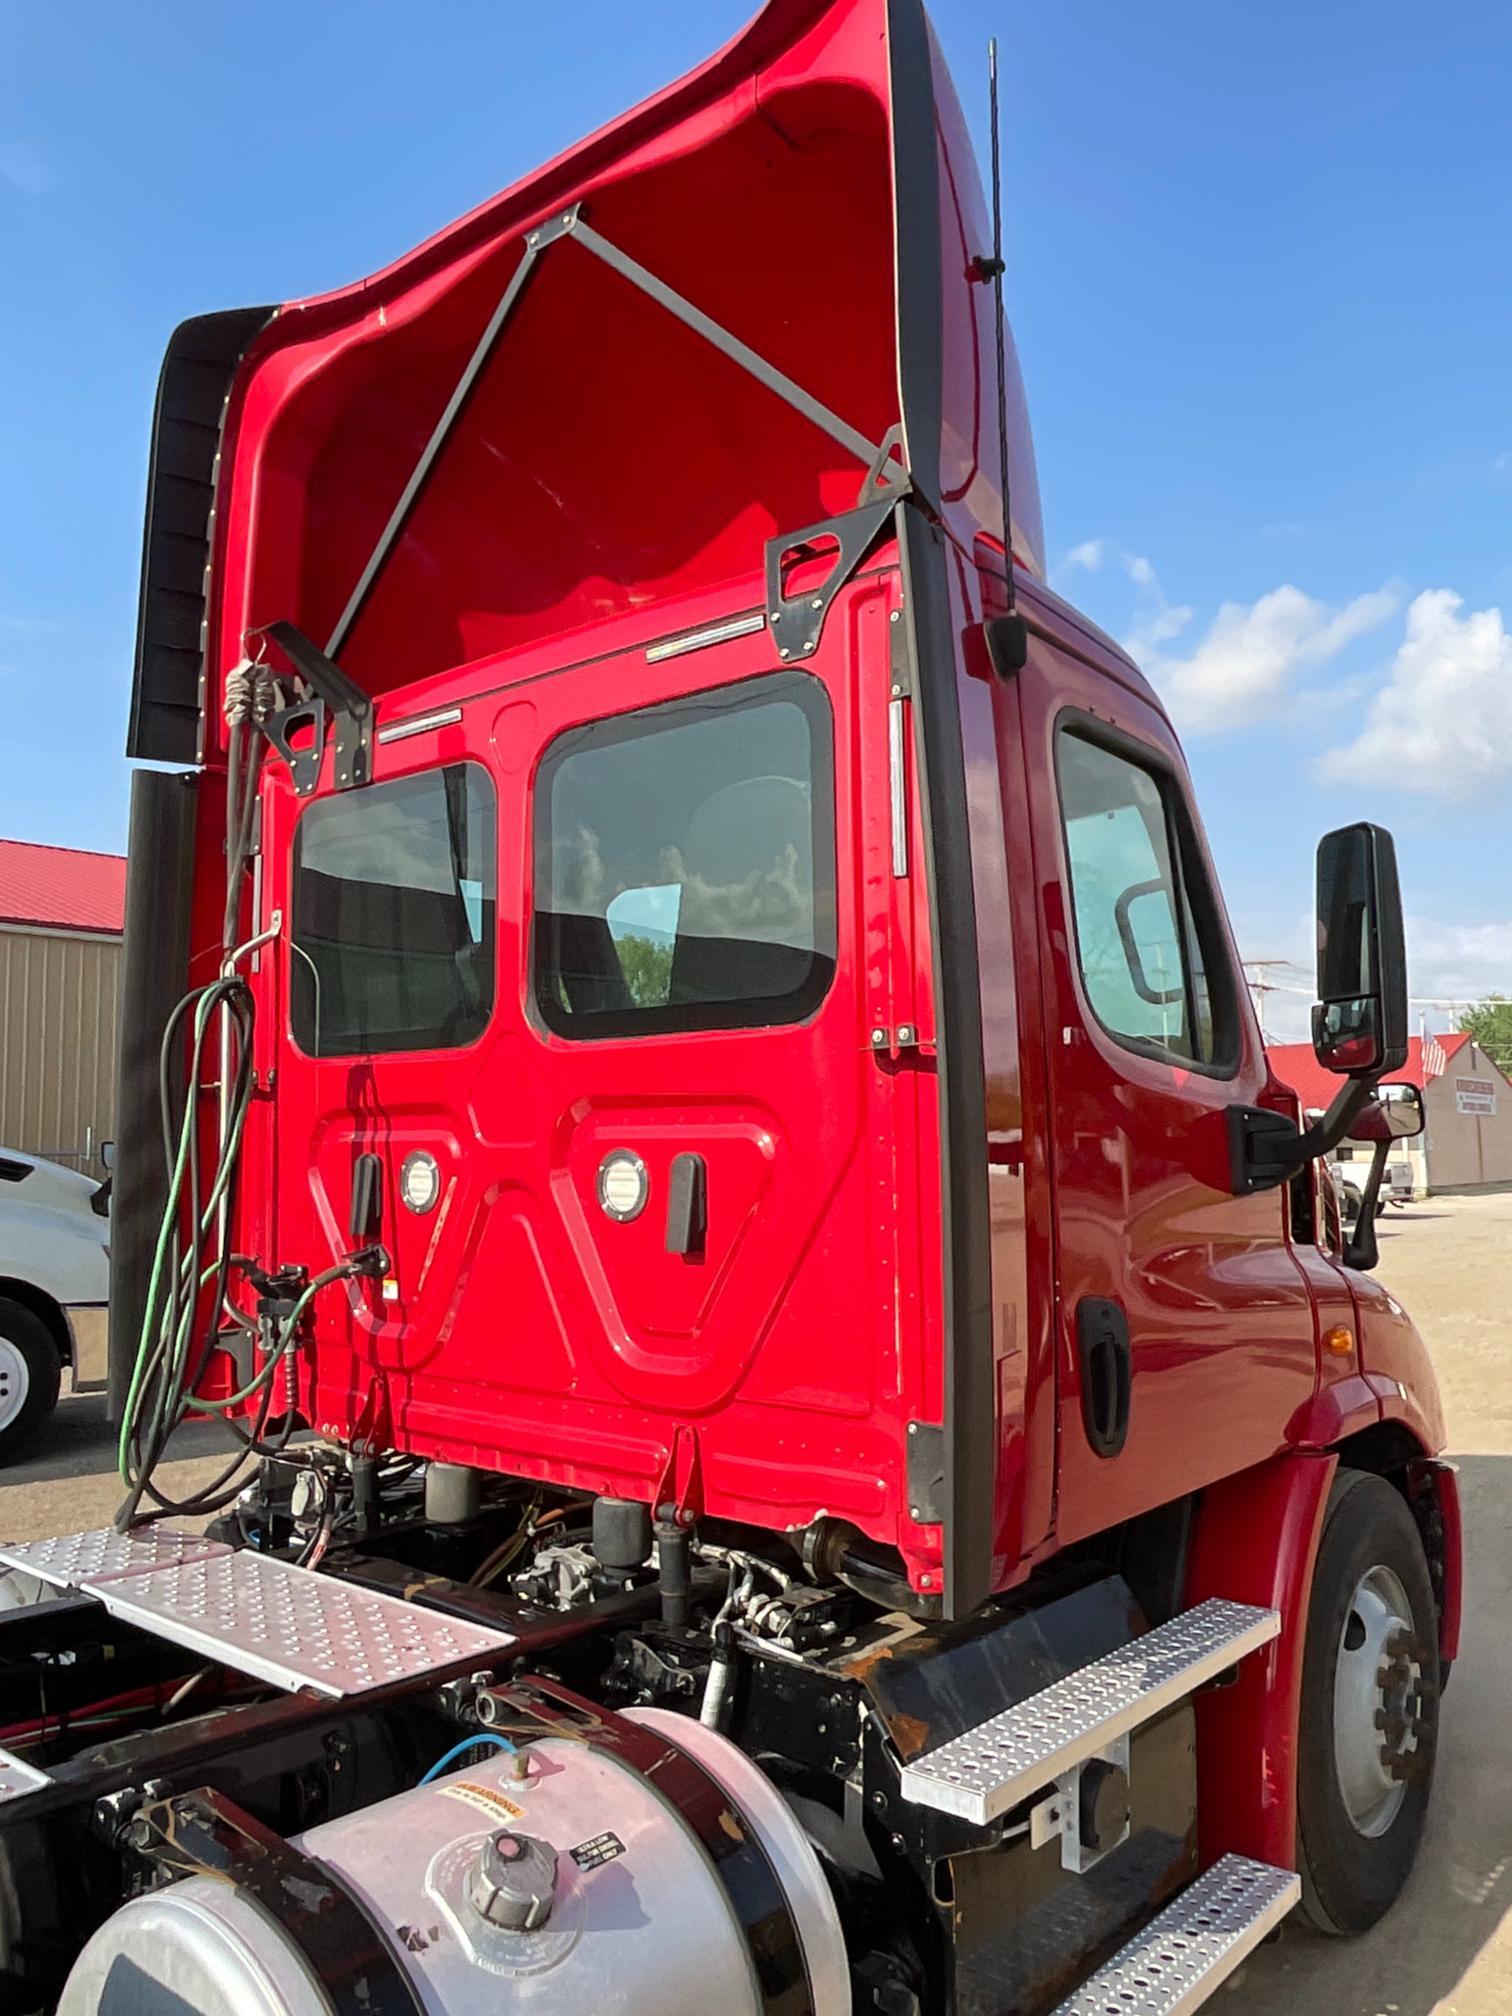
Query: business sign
1475, 1095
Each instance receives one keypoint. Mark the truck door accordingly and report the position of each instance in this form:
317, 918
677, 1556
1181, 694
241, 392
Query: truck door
1186, 1330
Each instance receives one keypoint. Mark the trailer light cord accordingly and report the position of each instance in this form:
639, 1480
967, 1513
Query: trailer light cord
188, 1296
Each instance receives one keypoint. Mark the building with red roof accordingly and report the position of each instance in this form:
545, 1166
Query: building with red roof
61, 888
61, 913
1467, 1143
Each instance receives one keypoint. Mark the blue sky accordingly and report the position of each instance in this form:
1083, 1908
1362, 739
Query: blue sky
1257, 274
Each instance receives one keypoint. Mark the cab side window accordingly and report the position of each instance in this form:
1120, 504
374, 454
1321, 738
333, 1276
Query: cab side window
1151, 964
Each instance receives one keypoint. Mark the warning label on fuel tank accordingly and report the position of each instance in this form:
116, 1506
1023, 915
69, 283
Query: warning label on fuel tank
484, 1797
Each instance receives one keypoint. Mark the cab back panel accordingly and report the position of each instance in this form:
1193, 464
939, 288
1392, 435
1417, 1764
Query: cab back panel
525, 1327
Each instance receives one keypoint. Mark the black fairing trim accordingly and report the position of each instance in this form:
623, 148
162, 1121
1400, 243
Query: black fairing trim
921, 337
154, 979
970, 1396
200, 363
970, 1399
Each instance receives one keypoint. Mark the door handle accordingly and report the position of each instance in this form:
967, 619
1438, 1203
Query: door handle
688, 1206
365, 1216
1107, 1373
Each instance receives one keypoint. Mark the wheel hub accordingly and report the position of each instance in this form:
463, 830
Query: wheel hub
15, 1382
1379, 1702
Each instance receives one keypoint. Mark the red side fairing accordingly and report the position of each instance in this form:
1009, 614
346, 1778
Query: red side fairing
613, 480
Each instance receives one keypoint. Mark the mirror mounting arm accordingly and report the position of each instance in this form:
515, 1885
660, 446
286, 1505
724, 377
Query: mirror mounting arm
1363, 1251
1267, 1149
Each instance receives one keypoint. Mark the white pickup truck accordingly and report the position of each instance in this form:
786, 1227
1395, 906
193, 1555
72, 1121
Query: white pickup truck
54, 1289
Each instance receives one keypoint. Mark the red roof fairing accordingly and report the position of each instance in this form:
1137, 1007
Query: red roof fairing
609, 460
61, 886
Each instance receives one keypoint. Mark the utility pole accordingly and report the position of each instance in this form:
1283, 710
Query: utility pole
1256, 972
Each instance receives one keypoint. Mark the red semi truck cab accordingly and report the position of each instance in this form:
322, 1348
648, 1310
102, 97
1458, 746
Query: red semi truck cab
712, 1034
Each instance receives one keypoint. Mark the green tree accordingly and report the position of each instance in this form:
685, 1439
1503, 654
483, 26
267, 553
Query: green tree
1490, 1023
647, 966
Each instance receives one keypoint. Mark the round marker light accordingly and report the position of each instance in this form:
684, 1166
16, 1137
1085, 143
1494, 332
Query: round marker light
419, 1182
623, 1185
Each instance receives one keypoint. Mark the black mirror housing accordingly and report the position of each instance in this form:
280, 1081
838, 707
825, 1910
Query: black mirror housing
1360, 1025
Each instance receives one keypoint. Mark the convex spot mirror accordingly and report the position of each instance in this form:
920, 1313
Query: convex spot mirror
1360, 1023
1394, 1114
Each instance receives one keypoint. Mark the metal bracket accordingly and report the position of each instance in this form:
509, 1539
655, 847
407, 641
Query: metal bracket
333, 692
303, 761
926, 1473
887, 474
1087, 1809
797, 621
205, 1834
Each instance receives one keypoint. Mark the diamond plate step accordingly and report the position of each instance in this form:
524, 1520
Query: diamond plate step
71, 1559
980, 1774
18, 1778
1178, 1960
292, 1626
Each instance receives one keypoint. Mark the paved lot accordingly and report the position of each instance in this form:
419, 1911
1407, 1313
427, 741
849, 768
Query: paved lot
1447, 1950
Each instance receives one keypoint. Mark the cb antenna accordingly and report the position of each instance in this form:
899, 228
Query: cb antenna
996, 267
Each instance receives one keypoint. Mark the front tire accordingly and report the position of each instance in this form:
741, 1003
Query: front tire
1370, 1688
30, 1374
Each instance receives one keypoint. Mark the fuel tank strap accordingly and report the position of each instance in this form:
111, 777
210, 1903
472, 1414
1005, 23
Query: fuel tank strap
205, 1834
739, 1859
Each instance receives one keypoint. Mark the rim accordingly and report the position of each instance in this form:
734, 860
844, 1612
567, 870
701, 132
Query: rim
15, 1382
1378, 1702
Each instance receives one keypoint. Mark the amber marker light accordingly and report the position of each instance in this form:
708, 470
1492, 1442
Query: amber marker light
1340, 1340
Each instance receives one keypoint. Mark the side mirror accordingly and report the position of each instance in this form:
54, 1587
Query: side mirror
1360, 1023
1394, 1114
107, 1155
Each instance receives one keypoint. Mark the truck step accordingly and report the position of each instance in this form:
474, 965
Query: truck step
979, 1775
1193, 1946
291, 1627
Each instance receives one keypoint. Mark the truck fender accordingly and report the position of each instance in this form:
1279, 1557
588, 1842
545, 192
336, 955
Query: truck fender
1254, 1540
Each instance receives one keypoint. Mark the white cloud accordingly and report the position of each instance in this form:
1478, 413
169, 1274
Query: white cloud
1155, 621
1458, 962
1247, 665
1442, 722
24, 169
1089, 555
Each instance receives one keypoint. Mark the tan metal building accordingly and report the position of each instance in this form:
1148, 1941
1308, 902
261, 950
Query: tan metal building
60, 956
1467, 1143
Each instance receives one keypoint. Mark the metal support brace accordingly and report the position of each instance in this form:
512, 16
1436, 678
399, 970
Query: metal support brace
886, 478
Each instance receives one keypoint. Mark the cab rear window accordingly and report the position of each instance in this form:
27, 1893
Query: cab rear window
685, 864
393, 930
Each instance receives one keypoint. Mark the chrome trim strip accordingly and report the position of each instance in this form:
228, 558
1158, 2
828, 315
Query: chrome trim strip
400, 731
714, 633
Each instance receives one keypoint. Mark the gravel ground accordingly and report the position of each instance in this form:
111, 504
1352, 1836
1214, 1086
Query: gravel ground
1447, 1948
